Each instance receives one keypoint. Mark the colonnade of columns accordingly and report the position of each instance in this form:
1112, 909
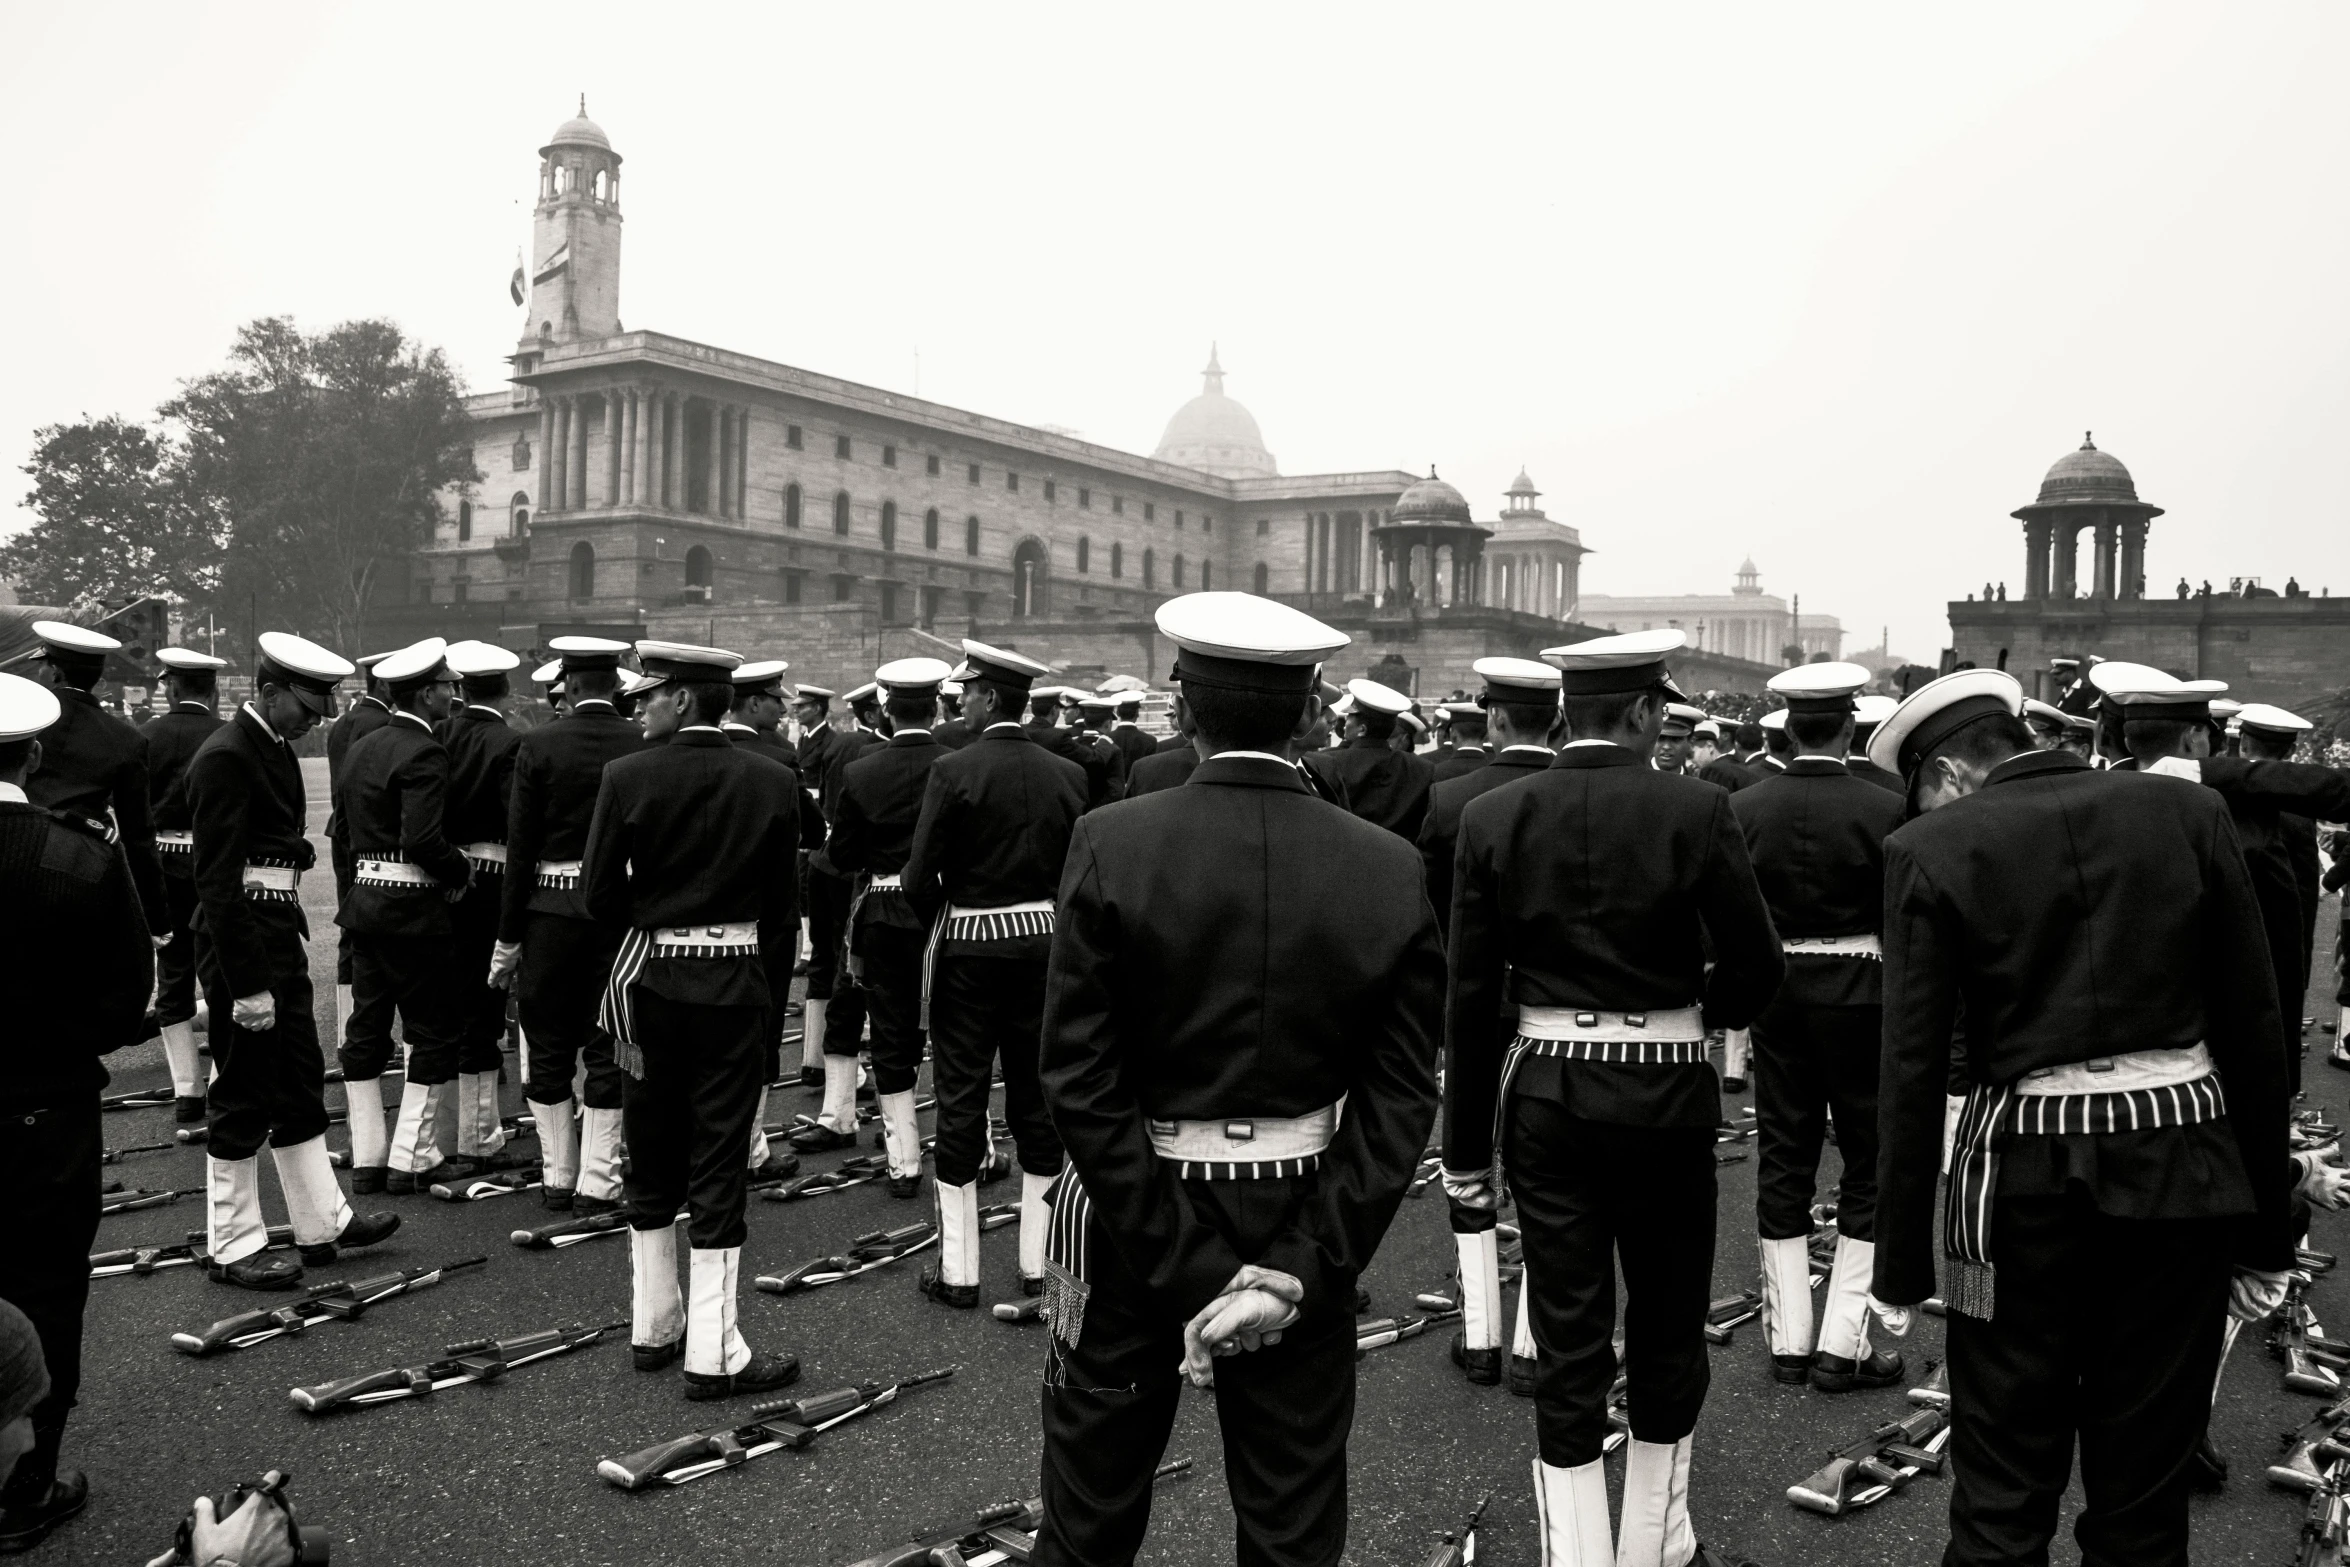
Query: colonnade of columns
2117, 554
644, 458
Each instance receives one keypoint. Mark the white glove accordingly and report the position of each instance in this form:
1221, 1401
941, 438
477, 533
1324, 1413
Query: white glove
2254, 1296
255, 1535
1472, 1189
161, 941
1897, 1319
257, 1012
1250, 1313
2321, 1185
505, 958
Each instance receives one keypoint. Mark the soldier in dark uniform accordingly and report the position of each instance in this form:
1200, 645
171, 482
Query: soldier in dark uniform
192, 680
1218, 1208
1128, 734
1591, 897
1165, 768
247, 809
67, 908
837, 1028
1817, 837
481, 782
689, 858
1673, 743
1104, 762
2073, 694
812, 710
952, 732
753, 724
982, 872
554, 956
1469, 750
2266, 733
1383, 786
363, 717
2122, 1139
94, 764
1519, 710
1727, 770
390, 806
1867, 713
881, 797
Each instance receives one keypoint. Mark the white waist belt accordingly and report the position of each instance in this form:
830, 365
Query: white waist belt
559, 874
895, 881
1863, 946
1246, 1140
397, 872
959, 911
1671, 1023
486, 853
738, 934
271, 878
2137, 1069
174, 838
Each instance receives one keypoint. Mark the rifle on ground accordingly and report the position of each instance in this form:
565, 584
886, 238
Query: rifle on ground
1934, 1392
2313, 1362
867, 1252
1728, 1312
1007, 1529
504, 1184
1379, 1332
2312, 1450
1028, 1309
1877, 1465
117, 1155
138, 1099
781, 1423
570, 1232
154, 1259
481, 1360
321, 1303
1460, 1548
850, 1172
134, 1201
2325, 1525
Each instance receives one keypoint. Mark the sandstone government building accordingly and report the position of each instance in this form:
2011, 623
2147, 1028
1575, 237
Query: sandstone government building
640, 484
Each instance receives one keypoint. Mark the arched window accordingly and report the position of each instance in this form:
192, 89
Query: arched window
1178, 571
971, 535
889, 525
697, 567
930, 526
583, 572
840, 512
1117, 559
1028, 579
1149, 571
1262, 576
791, 505
520, 505
464, 521
1207, 576
1084, 553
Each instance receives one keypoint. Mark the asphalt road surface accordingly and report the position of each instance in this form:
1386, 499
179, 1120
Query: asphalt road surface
505, 1473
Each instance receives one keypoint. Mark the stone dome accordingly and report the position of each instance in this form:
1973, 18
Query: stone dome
2087, 476
1214, 434
1431, 500
579, 131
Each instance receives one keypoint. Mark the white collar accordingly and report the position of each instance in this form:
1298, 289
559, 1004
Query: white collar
417, 719
730, 726
1253, 756
2187, 767
484, 707
188, 702
264, 723
707, 729
10, 794
593, 701
1007, 723
1526, 745
1572, 744
370, 696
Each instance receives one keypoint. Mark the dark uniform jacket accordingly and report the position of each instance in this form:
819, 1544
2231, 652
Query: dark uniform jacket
2273, 805
1173, 742
880, 801
1060, 742
1384, 786
68, 912
699, 831
1104, 764
1816, 834
1161, 770
2067, 913
811, 751
776, 750
954, 734
845, 746
1729, 774
1229, 949
558, 769
1862, 768
246, 806
171, 744
1132, 743
1460, 760
1440, 832
994, 829
481, 775
391, 803
362, 718
93, 764
1598, 883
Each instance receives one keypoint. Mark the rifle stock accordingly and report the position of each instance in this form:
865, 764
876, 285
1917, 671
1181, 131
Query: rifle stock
768, 1429
1831, 1488
1026, 1516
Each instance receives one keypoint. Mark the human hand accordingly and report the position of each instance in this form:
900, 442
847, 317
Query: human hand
257, 1012
1244, 1320
1472, 1189
1897, 1319
2321, 1184
2254, 1294
257, 1534
505, 958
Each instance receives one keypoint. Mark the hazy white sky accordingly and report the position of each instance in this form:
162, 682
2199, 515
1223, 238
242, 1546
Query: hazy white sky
1830, 285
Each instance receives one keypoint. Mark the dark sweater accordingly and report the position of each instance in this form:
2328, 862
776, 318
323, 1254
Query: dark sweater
71, 924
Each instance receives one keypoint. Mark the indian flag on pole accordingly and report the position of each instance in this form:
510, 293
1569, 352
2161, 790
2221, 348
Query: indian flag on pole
553, 264
515, 286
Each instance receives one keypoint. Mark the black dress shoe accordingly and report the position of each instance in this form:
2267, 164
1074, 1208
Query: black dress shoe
188, 1109
994, 1168
367, 1180
1521, 1375
361, 1229
1481, 1366
963, 1297
26, 1523
763, 1374
1031, 1286
1795, 1369
555, 1199
1733, 1085
812, 1077
2207, 1470
264, 1270
407, 1183
657, 1357
776, 1167
473, 1166
587, 1207
816, 1137
1837, 1374
903, 1187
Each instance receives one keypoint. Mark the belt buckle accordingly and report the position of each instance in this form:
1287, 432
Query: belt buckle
2099, 1064
1240, 1131
1587, 1020
1635, 1020
716, 932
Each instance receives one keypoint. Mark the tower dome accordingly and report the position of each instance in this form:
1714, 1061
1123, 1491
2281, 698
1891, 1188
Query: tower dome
2089, 476
1431, 500
1215, 434
580, 131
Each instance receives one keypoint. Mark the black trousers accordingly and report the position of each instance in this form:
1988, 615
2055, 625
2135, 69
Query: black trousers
49, 1167
1591, 1196
416, 978
2105, 1330
1285, 1410
557, 988
844, 1016
272, 1084
891, 956
1808, 1061
982, 1009
175, 964
828, 924
688, 1119
481, 1006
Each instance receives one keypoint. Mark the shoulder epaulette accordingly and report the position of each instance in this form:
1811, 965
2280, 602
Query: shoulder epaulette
97, 827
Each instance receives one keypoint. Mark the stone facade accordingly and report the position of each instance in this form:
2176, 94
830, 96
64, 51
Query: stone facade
1745, 623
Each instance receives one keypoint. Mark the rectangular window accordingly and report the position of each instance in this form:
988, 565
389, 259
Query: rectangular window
844, 588
457, 590
1179, 522
1150, 513
889, 602
889, 457
791, 586
1118, 504
840, 446
1051, 490
972, 603
933, 462
1011, 481
791, 436
1263, 527
1207, 525
975, 473
1085, 498
930, 598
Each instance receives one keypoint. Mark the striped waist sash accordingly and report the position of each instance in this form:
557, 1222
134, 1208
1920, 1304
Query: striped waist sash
1866, 945
892, 883
1668, 1036
272, 881
1001, 922
384, 868
1067, 1257
174, 840
616, 1015
485, 856
559, 875
1253, 1148
2151, 1089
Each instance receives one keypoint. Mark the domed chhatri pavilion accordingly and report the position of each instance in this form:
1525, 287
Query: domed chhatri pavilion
2280, 642
636, 483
